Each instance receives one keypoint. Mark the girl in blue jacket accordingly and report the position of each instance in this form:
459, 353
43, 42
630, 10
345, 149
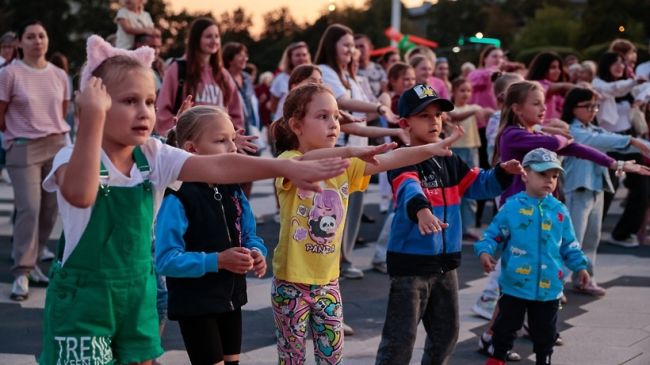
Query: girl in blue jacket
585, 182
205, 244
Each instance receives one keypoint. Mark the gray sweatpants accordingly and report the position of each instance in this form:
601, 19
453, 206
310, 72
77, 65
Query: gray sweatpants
432, 299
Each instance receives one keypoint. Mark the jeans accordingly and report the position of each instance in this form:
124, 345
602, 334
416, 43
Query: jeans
586, 210
351, 230
432, 299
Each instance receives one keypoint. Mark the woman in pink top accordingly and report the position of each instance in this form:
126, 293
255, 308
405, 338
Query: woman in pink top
205, 79
33, 100
546, 68
490, 61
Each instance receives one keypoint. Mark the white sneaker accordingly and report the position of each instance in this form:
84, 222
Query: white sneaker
37, 276
46, 254
347, 330
629, 242
20, 288
384, 204
5, 176
352, 273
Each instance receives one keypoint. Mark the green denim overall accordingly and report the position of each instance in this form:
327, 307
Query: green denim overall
100, 306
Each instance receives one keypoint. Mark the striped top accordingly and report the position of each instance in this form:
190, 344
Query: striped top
35, 101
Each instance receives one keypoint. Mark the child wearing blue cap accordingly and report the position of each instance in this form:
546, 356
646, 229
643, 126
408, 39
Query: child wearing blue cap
424, 247
532, 269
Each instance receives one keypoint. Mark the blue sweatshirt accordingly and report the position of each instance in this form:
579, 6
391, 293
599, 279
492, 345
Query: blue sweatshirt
171, 224
438, 184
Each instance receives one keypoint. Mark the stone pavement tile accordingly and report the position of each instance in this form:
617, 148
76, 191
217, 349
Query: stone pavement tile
643, 359
622, 300
15, 359
36, 297
608, 320
582, 339
174, 358
592, 353
259, 294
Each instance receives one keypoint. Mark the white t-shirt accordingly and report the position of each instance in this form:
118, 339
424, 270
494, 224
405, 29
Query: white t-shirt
280, 89
126, 40
357, 93
332, 80
643, 69
165, 163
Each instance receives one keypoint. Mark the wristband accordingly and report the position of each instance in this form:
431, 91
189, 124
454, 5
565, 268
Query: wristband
619, 168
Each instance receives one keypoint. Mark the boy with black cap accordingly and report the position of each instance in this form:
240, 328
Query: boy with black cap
425, 242
534, 233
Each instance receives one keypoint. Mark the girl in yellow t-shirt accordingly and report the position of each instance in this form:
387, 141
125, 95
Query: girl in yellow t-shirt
305, 291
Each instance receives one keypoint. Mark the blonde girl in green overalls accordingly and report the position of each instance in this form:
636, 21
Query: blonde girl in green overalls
101, 302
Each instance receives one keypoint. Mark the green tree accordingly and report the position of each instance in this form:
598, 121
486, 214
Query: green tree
602, 19
551, 26
234, 27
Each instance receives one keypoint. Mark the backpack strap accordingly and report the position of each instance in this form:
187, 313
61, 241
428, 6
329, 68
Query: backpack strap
182, 71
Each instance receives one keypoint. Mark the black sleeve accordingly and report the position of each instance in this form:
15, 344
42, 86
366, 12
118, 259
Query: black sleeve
414, 205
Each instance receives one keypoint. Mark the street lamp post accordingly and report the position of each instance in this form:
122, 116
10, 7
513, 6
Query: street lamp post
395, 17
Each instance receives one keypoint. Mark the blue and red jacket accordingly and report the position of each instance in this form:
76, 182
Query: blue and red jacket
438, 184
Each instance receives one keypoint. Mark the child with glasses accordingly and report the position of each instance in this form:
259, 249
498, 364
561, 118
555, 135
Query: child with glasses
586, 182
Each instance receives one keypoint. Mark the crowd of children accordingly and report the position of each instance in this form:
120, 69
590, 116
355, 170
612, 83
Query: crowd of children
490, 135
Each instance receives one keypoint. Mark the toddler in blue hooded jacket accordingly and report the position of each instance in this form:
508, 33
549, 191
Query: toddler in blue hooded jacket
534, 233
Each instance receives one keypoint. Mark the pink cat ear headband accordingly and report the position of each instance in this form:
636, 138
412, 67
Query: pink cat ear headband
98, 50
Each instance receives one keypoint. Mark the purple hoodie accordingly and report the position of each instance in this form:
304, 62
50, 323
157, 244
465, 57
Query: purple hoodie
515, 142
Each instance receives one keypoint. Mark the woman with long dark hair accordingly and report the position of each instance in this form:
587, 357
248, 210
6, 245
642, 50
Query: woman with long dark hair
546, 68
199, 73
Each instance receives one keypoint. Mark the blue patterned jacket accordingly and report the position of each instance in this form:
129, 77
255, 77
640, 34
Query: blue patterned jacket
535, 237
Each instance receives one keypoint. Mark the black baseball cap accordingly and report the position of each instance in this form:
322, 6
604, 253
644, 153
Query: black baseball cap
415, 99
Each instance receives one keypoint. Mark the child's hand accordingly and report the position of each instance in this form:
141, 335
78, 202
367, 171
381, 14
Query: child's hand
635, 168
390, 116
488, 262
557, 128
306, 174
429, 223
187, 103
259, 263
93, 98
641, 146
243, 142
368, 153
583, 278
442, 148
513, 167
235, 259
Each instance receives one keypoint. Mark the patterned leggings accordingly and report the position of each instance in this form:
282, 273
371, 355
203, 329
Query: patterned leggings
296, 306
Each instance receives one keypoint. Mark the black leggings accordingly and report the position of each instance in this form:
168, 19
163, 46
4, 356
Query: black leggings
208, 338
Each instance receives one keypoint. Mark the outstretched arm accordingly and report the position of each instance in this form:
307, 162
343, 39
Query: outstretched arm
236, 168
413, 155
